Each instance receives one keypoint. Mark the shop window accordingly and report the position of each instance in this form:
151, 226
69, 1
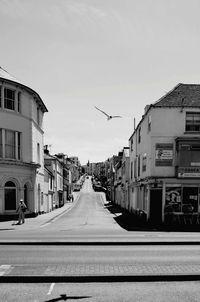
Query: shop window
173, 199
9, 99
192, 122
10, 196
190, 199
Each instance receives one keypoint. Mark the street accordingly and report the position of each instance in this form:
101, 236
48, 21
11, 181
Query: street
85, 244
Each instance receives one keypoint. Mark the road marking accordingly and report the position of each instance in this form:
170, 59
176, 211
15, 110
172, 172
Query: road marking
51, 288
4, 269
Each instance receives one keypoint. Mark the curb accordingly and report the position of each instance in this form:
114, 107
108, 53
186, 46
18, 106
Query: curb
99, 243
63, 212
98, 279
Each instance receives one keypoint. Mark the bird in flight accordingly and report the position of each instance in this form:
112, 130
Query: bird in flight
109, 117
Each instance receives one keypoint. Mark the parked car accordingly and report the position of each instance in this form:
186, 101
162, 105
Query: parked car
99, 188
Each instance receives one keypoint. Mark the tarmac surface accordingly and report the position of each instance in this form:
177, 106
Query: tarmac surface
97, 272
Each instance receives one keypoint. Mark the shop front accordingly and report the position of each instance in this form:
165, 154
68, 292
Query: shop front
182, 203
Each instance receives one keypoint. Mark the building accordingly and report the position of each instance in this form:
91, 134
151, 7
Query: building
67, 176
48, 191
118, 194
21, 146
165, 158
125, 178
55, 166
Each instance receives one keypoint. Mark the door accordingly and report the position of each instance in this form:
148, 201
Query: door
156, 206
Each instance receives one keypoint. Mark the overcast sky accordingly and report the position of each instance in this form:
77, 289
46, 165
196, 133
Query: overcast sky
118, 55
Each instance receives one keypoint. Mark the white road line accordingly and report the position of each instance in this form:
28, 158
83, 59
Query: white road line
4, 268
51, 288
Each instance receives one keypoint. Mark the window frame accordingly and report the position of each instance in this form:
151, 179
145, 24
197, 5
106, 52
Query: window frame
9, 100
190, 123
144, 162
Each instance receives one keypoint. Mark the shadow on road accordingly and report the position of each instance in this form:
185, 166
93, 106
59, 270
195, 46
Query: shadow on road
65, 298
132, 222
126, 220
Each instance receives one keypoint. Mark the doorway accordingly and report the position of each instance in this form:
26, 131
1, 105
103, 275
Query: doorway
10, 196
156, 206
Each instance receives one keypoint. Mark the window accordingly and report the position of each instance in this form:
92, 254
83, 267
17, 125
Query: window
139, 135
18, 145
19, 102
1, 144
149, 123
0, 96
135, 168
38, 116
138, 165
131, 144
144, 162
192, 121
9, 99
38, 153
131, 170
9, 144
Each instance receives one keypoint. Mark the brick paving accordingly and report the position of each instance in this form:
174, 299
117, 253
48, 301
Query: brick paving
96, 269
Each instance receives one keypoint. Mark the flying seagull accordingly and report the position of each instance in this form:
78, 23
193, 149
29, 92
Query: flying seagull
109, 117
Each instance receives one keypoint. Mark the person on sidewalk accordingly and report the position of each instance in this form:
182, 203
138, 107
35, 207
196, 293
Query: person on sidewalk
21, 211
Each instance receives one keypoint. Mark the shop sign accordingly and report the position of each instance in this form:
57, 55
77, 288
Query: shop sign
190, 172
164, 154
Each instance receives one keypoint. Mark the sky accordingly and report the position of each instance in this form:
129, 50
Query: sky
118, 55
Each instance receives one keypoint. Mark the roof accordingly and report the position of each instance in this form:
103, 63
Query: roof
4, 75
182, 95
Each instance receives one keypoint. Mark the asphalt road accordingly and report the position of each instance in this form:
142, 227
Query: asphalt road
88, 219
54, 250
102, 292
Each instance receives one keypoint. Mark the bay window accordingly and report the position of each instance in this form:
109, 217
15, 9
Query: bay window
10, 144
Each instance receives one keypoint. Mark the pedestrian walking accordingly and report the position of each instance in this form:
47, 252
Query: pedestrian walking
21, 211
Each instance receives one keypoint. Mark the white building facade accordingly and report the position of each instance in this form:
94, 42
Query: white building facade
165, 158
21, 146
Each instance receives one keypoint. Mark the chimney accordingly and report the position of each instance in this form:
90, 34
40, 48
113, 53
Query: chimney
146, 108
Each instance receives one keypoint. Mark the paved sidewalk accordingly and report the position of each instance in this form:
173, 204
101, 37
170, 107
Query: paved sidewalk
97, 269
40, 220
98, 272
